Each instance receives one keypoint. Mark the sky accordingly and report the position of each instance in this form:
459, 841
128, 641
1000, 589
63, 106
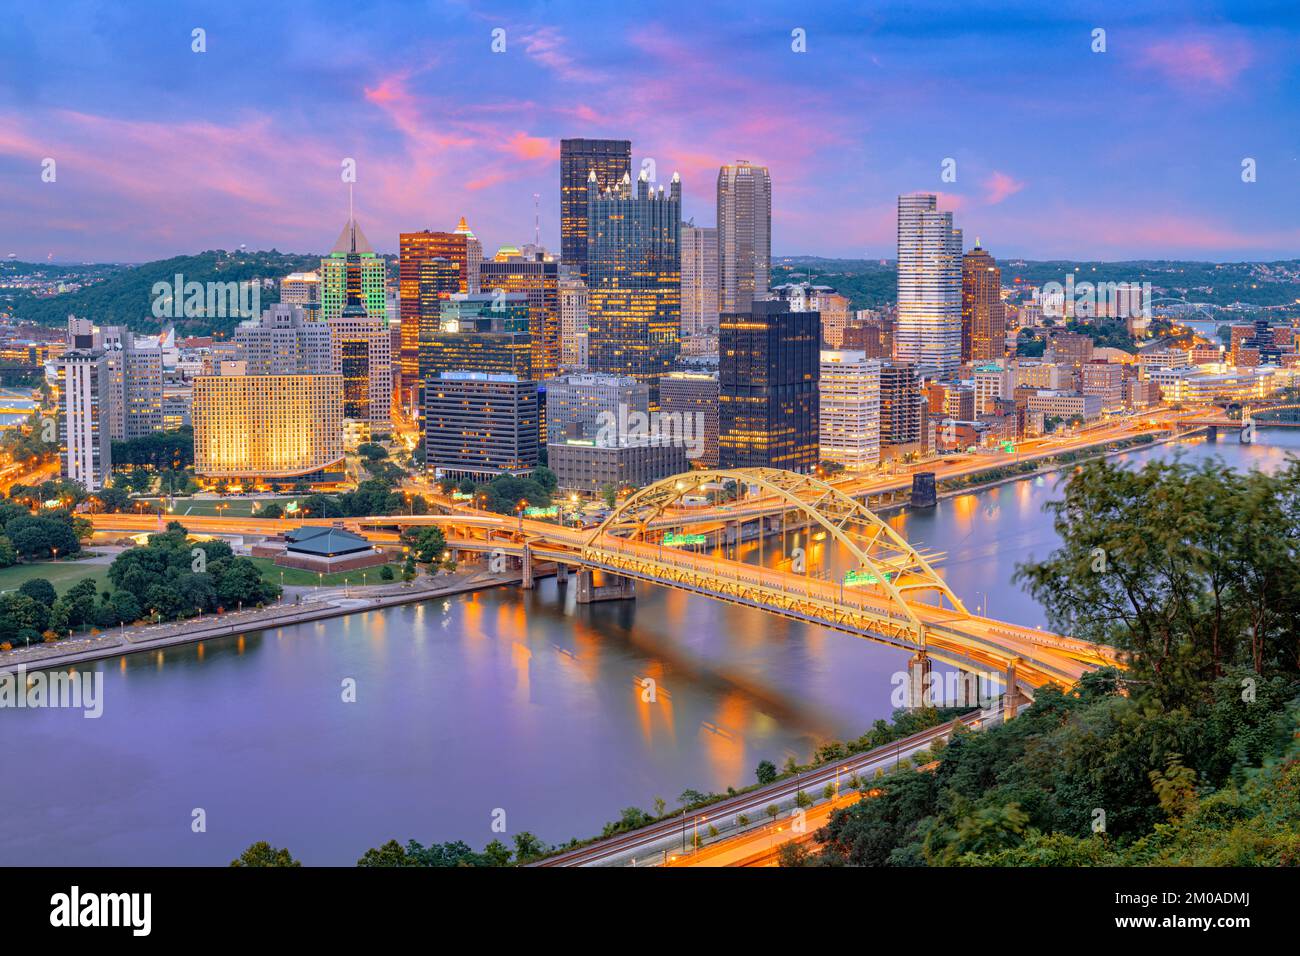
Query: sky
1058, 151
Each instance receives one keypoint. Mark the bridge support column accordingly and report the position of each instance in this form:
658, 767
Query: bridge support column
1011, 698
561, 574
918, 680
1212, 434
527, 562
612, 587
1247, 434
924, 494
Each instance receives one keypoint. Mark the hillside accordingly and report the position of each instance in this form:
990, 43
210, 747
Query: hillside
125, 295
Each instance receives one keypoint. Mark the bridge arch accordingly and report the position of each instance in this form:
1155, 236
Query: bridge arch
886, 558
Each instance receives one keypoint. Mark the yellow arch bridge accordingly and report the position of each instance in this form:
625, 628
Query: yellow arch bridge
892, 596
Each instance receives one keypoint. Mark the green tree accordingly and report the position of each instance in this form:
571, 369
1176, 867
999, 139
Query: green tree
262, 853
766, 772
39, 589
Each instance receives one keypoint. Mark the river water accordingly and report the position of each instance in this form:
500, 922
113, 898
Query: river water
503, 700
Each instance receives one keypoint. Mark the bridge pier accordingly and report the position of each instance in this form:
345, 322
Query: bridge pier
1212, 434
1011, 698
1247, 434
526, 563
924, 494
918, 680
613, 587
562, 574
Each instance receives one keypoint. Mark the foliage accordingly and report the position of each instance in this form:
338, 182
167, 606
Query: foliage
262, 853
160, 451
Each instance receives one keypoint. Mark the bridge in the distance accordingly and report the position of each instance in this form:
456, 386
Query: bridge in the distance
1250, 419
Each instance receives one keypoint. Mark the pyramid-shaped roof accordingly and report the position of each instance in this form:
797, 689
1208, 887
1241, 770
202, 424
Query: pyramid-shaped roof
351, 240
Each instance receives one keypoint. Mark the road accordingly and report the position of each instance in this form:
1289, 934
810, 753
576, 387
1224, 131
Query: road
661, 842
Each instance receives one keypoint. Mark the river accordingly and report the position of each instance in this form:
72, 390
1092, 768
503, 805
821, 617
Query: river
504, 700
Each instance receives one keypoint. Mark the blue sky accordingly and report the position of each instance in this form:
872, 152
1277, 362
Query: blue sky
1060, 152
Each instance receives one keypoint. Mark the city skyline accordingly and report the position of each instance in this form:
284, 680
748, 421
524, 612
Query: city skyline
161, 151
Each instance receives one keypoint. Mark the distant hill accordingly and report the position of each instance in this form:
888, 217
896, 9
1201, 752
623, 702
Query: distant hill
125, 295
869, 284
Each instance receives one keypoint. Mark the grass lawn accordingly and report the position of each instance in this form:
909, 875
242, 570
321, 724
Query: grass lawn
207, 507
297, 577
62, 574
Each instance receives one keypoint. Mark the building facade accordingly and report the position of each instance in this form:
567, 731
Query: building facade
537, 277
767, 384
699, 280
480, 425
694, 394
744, 235
849, 402
983, 318
928, 332
610, 161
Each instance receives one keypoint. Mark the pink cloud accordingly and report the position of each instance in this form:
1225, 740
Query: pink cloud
546, 46
999, 186
1214, 61
527, 147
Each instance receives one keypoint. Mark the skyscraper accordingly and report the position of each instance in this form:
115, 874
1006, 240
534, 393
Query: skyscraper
84, 403
573, 322
479, 332
537, 276
634, 276
415, 249
744, 235
699, 279
361, 351
352, 267
929, 285
282, 341
611, 161
767, 382
849, 398
983, 318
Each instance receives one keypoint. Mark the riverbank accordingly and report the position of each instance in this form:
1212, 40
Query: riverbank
140, 639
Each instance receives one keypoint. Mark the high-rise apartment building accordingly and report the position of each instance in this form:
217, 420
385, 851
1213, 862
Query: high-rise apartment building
84, 402
573, 322
767, 381
928, 332
849, 399
699, 279
473, 254
537, 277
744, 235
634, 277
983, 318
901, 404
135, 383
610, 160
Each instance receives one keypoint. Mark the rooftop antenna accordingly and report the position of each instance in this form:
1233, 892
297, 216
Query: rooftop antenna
537, 221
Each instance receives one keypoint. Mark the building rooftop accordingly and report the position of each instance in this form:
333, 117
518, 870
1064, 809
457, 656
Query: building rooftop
323, 541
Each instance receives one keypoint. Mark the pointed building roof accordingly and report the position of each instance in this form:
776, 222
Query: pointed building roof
351, 240
463, 229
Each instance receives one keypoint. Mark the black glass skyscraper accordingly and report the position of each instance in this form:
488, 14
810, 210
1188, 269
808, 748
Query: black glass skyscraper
611, 160
767, 387
634, 307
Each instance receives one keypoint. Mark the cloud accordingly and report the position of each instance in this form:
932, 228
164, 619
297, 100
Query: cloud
546, 45
999, 186
1199, 60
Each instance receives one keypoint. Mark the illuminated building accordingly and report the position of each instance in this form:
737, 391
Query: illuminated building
135, 382
694, 394
699, 279
279, 342
1105, 380
849, 400
578, 405
902, 406
302, 289
537, 276
481, 332
928, 332
634, 277
584, 465
983, 318
573, 323
256, 428
352, 269
744, 235
414, 250
480, 425
85, 443
767, 386
610, 161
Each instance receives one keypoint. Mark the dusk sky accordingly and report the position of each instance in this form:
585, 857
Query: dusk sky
1061, 152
